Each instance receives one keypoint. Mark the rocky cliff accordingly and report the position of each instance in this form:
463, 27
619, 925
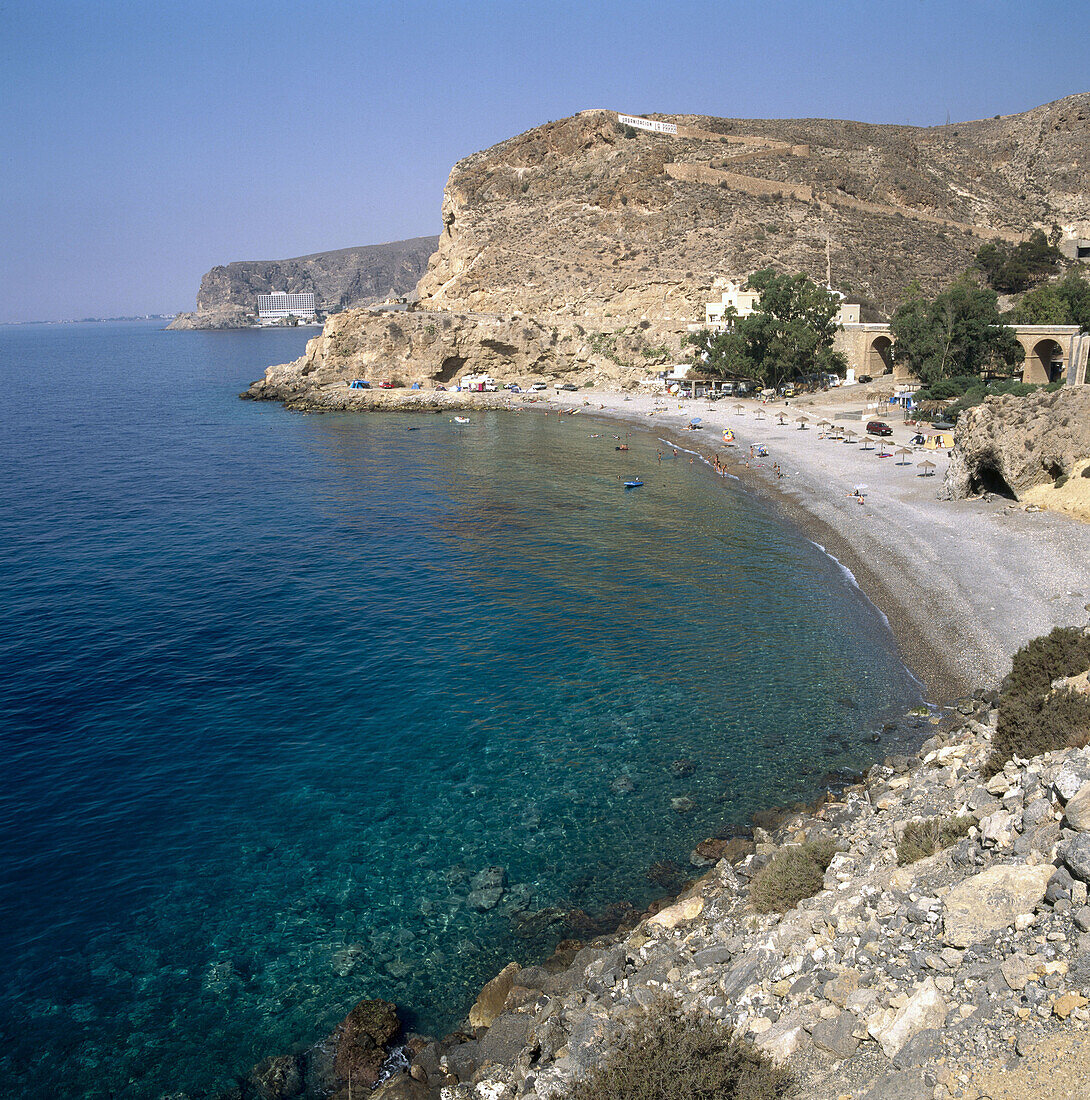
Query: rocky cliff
348, 277
586, 218
1012, 445
616, 237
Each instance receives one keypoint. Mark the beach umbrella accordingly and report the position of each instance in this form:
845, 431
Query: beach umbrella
825, 424
782, 418
928, 468
849, 435
904, 451
759, 413
867, 441
738, 408
802, 421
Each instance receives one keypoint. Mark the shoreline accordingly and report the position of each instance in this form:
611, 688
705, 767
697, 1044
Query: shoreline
961, 583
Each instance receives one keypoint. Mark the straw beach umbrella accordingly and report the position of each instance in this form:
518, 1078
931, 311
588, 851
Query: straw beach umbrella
904, 451
849, 435
782, 418
868, 441
738, 408
928, 468
802, 421
759, 413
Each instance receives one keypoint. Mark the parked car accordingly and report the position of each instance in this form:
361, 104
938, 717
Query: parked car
865, 378
490, 387
537, 387
566, 386
386, 385
879, 427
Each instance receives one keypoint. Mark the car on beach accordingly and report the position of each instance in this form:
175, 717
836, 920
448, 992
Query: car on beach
879, 427
537, 387
386, 385
566, 386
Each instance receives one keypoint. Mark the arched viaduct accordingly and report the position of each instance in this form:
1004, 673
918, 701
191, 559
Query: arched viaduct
1052, 351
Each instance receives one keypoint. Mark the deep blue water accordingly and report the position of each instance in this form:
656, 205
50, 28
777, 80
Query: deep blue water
274, 687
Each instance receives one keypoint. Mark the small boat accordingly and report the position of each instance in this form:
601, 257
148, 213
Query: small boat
461, 420
634, 484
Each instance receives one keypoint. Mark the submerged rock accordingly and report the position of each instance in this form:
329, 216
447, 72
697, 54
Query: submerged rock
360, 1045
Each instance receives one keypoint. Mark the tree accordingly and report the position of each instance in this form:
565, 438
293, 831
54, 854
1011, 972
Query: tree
1014, 268
790, 334
958, 332
1064, 303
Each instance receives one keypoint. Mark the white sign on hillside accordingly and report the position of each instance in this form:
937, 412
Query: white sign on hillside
647, 124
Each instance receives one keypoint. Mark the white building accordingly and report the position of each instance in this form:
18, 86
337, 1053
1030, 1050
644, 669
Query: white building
279, 305
746, 302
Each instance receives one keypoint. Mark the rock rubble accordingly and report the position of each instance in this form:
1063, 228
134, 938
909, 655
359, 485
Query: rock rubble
893, 981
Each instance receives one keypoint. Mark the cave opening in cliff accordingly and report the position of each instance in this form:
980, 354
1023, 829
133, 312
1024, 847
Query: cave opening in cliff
986, 478
449, 368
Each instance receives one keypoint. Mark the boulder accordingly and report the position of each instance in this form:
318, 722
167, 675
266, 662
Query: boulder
360, 1043
836, 1035
1077, 810
924, 1010
486, 889
401, 1087
675, 914
991, 900
277, 1078
1076, 857
491, 999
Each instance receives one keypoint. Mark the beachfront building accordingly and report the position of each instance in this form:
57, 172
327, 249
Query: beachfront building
280, 305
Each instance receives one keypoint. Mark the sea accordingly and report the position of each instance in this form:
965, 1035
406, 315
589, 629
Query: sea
302, 709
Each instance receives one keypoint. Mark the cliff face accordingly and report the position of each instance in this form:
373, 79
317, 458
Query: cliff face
616, 237
1012, 445
343, 279
583, 218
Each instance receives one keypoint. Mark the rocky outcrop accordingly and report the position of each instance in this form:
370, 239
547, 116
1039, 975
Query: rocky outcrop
611, 239
891, 981
1009, 445
343, 279
584, 218
430, 349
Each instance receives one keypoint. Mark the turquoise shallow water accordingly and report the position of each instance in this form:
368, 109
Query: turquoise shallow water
277, 687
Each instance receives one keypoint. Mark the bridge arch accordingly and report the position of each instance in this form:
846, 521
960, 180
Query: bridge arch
879, 356
1044, 362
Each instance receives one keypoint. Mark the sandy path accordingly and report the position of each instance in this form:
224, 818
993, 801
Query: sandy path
963, 583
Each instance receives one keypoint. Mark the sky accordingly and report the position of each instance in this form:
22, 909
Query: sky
143, 143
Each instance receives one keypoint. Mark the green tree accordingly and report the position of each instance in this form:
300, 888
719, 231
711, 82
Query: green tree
790, 334
958, 332
1066, 302
1014, 268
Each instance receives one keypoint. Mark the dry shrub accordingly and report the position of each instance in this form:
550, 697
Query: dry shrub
793, 873
933, 834
1033, 719
670, 1054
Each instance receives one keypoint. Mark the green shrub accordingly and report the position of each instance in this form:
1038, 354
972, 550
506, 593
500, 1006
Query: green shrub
793, 873
1032, 718
933, 834
669, 1054
1063, 652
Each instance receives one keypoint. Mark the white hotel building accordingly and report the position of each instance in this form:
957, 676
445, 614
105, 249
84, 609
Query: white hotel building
279, 305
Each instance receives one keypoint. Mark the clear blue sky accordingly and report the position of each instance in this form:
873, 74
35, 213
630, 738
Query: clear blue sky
142, 143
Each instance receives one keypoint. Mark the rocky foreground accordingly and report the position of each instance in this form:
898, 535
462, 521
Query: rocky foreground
894, 981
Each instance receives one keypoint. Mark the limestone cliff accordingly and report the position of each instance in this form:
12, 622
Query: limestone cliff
587, 219
1012, 444
601, 242
439, 347
340, 280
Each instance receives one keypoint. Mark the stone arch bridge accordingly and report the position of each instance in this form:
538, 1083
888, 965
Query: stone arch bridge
1052, 351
